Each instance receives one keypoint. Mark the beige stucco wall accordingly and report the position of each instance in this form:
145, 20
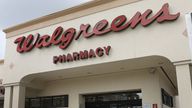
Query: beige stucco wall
184, 85
114, 82
165, 39
191, 75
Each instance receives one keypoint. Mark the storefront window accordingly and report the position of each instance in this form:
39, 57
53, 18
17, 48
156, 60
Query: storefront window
114, 100
1, 103
58, 101
35, 103
47, 102
166, 98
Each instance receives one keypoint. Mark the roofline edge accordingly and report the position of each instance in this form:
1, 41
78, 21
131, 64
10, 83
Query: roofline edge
64, 12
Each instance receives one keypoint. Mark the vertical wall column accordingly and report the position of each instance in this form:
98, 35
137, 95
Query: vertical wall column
8, 97
18, 96
152, 96
74, 100
14, 96
184, 85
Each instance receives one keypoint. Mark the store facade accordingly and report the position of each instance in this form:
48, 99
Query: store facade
102, 54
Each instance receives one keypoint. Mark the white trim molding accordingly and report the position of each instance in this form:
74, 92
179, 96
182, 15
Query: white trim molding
188, 18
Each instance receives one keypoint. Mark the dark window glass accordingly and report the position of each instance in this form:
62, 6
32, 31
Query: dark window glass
114, 100
1, 103
47, 102
166, 98
35, 103
60, 101
27, 103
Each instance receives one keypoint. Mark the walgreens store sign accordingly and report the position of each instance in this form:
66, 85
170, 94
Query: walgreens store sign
63, 38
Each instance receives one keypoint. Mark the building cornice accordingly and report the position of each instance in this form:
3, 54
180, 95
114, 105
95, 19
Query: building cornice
183, 62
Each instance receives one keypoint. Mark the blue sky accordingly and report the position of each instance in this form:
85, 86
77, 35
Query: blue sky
13, 12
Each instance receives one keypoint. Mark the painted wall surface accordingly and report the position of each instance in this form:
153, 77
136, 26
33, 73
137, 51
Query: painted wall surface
191, 75
184, 85
115, 82
164, 39
177, 101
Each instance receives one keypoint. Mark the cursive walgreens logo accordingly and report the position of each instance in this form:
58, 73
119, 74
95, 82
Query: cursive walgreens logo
63, 38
